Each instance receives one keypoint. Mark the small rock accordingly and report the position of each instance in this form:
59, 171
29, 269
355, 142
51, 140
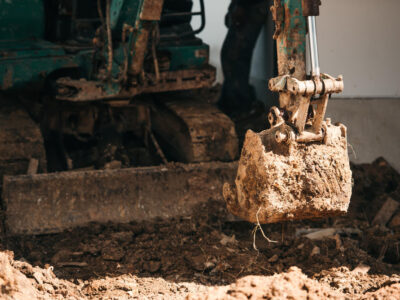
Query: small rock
24, 267
361, 268
220, 268
338, 242
113, 253
386, 212
79, 264
209, 265
196, 262
321, 234
38, 277
228, 240
92, 248
137, 229
48, 288
274, 258
316, 250
395, 222
62, 255
152, 266
123, 237
115, 164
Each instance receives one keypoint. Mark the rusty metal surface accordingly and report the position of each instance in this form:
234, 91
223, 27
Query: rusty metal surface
297, 94
139, 49
20, 139
326, 85
49, 203
151, 10
290, 38
311, 7
195, 131
277, 16
83, 90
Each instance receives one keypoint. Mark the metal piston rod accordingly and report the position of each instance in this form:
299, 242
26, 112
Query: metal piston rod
312, 35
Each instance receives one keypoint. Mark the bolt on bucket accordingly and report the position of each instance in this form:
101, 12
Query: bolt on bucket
281, 179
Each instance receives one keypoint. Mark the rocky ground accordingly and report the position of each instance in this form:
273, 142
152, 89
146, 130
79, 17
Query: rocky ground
213, 256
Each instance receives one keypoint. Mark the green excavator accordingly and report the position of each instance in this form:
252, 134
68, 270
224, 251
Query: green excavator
104, 116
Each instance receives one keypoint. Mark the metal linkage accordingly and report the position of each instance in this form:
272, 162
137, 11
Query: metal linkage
324, 85
302, 101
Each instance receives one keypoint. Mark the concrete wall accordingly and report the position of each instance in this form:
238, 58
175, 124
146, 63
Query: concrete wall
373, 128
215, 30
360, 39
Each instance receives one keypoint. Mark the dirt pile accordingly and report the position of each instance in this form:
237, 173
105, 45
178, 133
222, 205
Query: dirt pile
169, 259
291, 285
19, 281
13, 284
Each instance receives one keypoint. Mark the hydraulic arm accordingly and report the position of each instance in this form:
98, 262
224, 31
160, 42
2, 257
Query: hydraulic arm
299, 168
302, 98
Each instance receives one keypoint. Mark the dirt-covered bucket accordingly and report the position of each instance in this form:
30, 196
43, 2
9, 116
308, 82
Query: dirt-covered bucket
288, 181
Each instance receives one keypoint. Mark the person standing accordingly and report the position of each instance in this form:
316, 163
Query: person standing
245, 19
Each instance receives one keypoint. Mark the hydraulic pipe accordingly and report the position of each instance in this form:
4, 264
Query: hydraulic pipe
312, 35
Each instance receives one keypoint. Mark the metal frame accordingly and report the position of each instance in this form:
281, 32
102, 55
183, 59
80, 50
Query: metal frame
200, 13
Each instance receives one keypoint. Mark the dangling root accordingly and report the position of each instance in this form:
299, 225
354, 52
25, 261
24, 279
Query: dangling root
258, 227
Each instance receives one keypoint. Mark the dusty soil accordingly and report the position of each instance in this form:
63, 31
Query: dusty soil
213, 256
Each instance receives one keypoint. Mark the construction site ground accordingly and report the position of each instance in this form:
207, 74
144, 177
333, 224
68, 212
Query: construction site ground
211, 255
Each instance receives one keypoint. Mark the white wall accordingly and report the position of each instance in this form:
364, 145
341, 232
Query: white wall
215, 31
357, 38
361, 40
373, 128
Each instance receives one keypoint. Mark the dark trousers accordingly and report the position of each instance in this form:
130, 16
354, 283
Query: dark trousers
244, 20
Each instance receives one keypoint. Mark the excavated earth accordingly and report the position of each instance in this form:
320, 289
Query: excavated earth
211, 255
278, 182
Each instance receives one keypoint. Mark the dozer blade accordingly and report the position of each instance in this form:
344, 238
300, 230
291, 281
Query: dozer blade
50, 203
280, 181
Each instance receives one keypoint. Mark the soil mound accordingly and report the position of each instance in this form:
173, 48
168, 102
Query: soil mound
291, 285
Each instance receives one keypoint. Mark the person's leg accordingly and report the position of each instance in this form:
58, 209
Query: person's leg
244, 20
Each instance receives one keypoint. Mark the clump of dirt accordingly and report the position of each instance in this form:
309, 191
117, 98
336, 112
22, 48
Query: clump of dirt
289, 180
345, 257
19, 280
13, 284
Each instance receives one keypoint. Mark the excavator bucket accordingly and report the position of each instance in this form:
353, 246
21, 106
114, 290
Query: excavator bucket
290, 180
299, 168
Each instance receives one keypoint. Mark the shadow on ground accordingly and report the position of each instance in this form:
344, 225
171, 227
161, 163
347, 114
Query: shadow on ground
209, 248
